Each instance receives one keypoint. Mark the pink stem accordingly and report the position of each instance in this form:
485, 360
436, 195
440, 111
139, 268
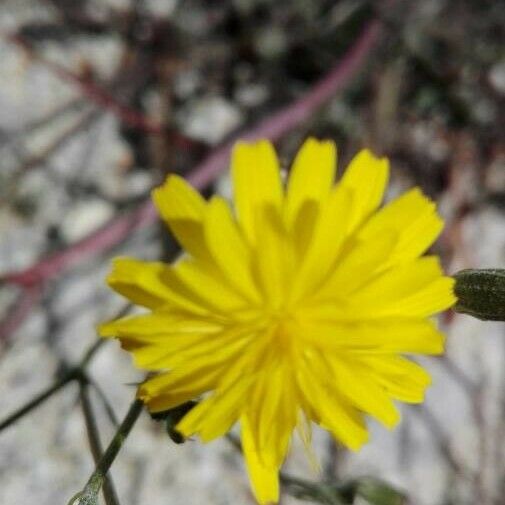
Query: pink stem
19, 311
95, 93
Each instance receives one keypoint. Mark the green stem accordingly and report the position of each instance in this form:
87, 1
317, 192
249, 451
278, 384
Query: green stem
74, 373
313, 491
90, 353
105, 402
69, 376
109, 493
89, 495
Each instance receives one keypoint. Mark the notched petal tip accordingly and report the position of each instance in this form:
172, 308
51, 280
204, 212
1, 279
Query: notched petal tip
244, 143
368, 176
159, 193
354, 443
177, 199
243, 152
366, 152
393, 421
121, 269
256, 182
437, 346
323, 147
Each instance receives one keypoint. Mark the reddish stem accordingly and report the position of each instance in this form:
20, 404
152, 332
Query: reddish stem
19, 311
96, 93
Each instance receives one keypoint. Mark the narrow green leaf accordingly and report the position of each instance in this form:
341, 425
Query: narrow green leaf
377, 492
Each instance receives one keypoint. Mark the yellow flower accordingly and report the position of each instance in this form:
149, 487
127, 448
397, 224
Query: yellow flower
297, 306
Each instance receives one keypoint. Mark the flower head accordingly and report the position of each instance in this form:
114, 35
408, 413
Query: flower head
296, 306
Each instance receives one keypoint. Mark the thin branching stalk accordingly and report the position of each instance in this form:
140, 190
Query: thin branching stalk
105, 402
70, 375
109, 493
89, 495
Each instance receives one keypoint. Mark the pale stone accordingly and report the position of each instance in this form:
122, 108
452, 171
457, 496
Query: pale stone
86, 216
210, 119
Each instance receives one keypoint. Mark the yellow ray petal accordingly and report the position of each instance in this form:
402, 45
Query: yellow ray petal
353, 383
360, 263
401, 378
183, 351
414, 217
168, 351
169, 396
437, 296
182, 379
414, 289
228, 248
155, 324
154, 339
325, 245
311, 177
329, 409
273, 260
215, 415
183, 208
177, 200
218, 364
302, 230
170, 400
272, 410
142, 283
213, 290
403, 280
256, 183
381, 336
263, 473
205, 287
304, 431
366, 177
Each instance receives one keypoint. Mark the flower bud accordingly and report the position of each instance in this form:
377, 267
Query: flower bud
481, 293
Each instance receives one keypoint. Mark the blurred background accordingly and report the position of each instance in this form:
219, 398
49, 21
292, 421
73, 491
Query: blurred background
100, 99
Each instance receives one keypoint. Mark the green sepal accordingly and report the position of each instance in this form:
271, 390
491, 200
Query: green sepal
171, 418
